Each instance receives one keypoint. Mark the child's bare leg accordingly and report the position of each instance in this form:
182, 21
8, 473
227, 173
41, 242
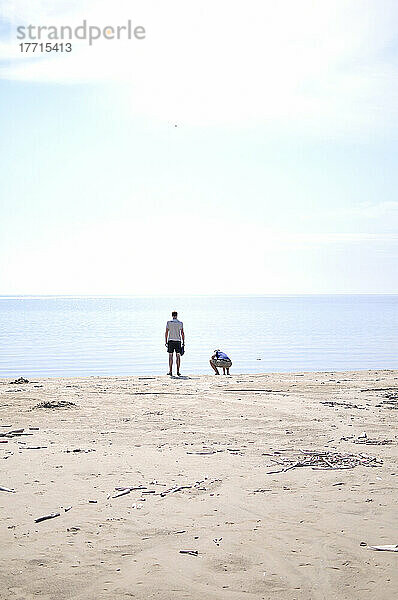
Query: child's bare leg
213, 366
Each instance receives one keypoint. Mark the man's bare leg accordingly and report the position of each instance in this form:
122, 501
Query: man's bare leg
227, 370
170, 363
213, 366
178, 361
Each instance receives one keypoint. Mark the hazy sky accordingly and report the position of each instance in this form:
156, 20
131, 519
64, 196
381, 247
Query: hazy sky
280, 177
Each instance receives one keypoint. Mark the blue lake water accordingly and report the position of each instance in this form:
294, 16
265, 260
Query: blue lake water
64, 336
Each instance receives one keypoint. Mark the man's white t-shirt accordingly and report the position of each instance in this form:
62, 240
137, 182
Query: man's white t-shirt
174, 327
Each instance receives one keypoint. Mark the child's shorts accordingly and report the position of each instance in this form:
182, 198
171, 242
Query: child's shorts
220, 362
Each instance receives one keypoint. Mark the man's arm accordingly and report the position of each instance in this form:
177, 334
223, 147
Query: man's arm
183, 336
166, 333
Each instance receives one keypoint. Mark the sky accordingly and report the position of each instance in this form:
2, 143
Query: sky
240, 148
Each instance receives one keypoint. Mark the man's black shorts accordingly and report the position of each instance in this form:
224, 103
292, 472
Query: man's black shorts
173, 345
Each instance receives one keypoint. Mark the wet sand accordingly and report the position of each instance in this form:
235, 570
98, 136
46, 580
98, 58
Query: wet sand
290, 535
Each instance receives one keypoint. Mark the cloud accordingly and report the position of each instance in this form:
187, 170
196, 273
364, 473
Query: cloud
314, 68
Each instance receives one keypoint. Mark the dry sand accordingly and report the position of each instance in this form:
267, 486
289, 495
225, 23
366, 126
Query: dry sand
289, 535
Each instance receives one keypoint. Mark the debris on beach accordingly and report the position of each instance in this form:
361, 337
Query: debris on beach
333, 403
131, 488
325, 461
123, 493
13, 433
55, 404
46, 517
386, 548
372, 442
77, 450
389, 389
176, 489
6, 489
198, 485
19, 381
205, 451
391, 402
190, 552
363, 439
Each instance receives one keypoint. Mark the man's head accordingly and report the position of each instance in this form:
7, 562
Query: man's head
174, 314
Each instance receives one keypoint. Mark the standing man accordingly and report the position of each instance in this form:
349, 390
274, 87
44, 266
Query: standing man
174, 334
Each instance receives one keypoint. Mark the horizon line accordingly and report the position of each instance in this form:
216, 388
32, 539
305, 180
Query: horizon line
178, 295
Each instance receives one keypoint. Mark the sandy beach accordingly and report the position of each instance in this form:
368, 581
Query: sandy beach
210, 456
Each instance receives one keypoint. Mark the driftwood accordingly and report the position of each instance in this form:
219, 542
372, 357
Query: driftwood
197, 485
326, 460
131, 488
19, 381
256, 390
13, 433
386, 548
46, 517
203, 452
343, 404
6, 489
391, 402
371, 442
124, 490
190, 552
55, 404
123, 493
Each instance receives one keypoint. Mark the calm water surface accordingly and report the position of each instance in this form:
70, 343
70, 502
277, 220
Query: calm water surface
64, 336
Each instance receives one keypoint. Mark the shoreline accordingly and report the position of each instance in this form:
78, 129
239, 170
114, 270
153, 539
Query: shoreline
5, 379
204, 451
